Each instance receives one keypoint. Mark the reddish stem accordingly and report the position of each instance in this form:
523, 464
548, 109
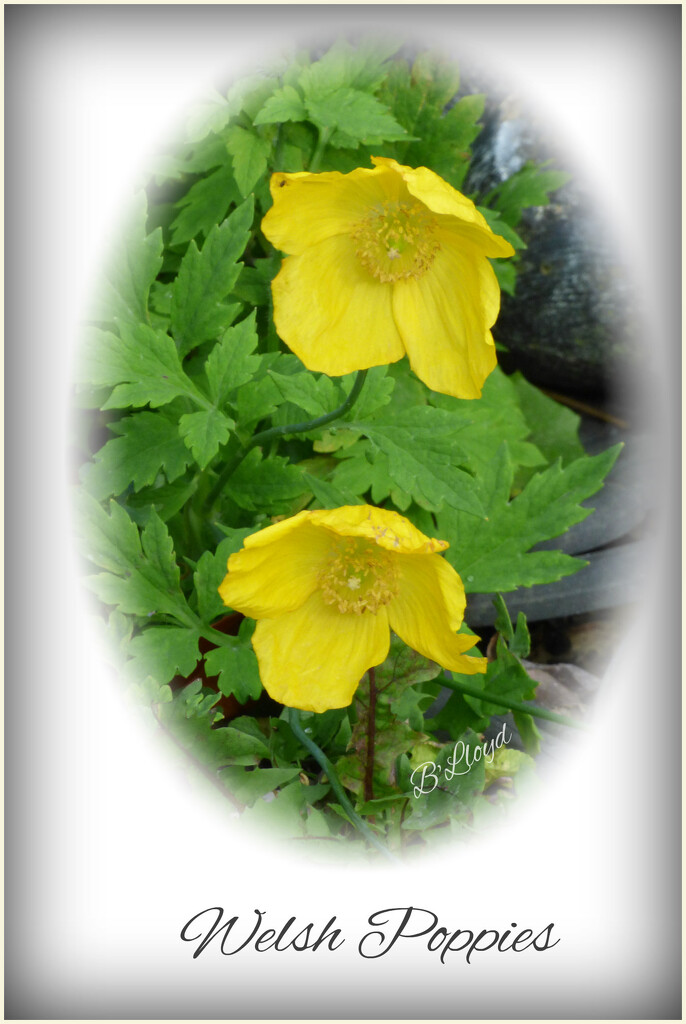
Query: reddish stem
371, 737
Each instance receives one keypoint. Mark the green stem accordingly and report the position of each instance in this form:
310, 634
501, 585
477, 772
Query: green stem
512, 705
326, 766
324, 136
274, 432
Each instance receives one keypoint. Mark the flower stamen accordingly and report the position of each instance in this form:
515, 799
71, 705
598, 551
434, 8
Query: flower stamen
394, 240
358, 577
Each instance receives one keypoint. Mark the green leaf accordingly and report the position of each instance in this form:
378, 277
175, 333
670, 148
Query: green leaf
362, 66
451, 795
327, 495
210, 572
283, 105
494, 554
500, 227
204, 432
206, 278
209, 116
356, 115
554, 429
231, 362
132, 267
205, 204
190, 718
236, 666
248, 786
142, 576
529, 186
421, 451
163, 652
316, 395
419, 99
143, 363
479, 427
149, 443
163, 498
268, 485
375, 394
250, 154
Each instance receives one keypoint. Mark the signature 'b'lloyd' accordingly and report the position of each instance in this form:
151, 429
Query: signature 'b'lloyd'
328, 585
385, 262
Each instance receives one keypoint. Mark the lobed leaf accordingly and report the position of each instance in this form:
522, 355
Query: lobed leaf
142, 576
149, 443
206, 277
133, 265
205, 205
494, 554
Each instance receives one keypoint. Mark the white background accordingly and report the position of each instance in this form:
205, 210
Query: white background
110, 847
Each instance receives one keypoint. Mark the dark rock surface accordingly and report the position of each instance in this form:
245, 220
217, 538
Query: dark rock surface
572, 324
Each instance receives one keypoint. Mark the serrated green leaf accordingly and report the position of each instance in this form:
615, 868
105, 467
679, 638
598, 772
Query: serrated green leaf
133, 265
316, 395
236, 667
553, 428
143, 363
494, 554
362, 66
502, 228
163, 652
284, 104
422, 455
358, 116
530, 186
166, 499
209, 115
248, 786
231, 362
142, 576
149, 443
328, 495
442, 138
206, 278
479, 427
204, 433
211, 570
205, 204
256, 400
268, 485
250, 153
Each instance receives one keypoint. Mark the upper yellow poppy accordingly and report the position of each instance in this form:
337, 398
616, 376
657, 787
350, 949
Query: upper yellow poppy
383, 262
327, 586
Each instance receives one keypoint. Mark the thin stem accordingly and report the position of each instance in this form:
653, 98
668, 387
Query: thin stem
274, 432
371, 737
326, 766
512, 705
324, 136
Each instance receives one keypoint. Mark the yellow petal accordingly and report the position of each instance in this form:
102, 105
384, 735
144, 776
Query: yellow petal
428, 609
277, 569
444, 319
313, 658
458, 212
387, 528
333, 314
311, 207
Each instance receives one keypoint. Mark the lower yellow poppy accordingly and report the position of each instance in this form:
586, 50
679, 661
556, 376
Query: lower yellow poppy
327, 587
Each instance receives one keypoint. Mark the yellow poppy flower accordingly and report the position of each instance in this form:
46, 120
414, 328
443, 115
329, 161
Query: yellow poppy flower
327, 586
383, 262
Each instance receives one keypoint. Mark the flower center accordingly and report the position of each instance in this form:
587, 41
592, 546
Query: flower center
359, 576
395, 241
